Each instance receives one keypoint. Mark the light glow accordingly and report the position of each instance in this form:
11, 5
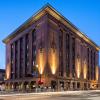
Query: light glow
41, 61
53, 61
97, 73
85, 70
8, 71
78, 68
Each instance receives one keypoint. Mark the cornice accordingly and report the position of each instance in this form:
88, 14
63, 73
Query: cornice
49, 9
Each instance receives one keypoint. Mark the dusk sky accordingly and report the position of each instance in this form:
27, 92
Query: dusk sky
84, 14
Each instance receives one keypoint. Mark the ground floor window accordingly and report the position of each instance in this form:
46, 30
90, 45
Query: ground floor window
78, 85
73, 85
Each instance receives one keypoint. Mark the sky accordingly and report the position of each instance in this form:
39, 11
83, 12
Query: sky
85, 14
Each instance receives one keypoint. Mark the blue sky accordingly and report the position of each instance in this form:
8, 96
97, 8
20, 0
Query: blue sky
85, 14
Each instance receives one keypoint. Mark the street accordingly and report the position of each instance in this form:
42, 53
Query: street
68, 95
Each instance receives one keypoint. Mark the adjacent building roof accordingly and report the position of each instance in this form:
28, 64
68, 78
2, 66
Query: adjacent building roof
48, 8
2, 70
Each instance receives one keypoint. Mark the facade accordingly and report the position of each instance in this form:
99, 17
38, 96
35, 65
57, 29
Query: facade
49, 50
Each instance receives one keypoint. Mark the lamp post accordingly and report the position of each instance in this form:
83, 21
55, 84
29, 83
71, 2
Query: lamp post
40, 73
41, 59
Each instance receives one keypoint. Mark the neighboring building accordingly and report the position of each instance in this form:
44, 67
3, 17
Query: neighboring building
49, 50
2, 76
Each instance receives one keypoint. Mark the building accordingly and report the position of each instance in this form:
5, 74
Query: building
2, 77
49, 50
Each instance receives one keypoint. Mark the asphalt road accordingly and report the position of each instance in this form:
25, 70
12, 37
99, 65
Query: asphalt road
88, 95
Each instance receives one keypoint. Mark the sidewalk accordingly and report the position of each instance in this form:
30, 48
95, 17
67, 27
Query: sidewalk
52, 93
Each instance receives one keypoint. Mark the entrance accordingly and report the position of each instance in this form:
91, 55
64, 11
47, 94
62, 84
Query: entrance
85, 86
78, 85
61, 85
33, 85
26, 85
53, 85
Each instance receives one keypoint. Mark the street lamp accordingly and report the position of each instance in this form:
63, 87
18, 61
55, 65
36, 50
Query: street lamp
40, 73
37, 66
41, 62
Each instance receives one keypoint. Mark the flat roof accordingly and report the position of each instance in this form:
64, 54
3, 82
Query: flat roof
48, 8
2, 70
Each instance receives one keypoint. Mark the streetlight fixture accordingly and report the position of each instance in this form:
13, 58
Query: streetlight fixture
37, 66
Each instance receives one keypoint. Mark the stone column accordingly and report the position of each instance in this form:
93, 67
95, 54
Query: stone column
58, 85
75, 85
81, 85
71, 85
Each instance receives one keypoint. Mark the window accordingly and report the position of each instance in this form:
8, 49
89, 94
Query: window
88, 72
61, 54
16, 58
73, 57
94, 65
12, 56
67, 55
91, 66
33, 51
33, 36
21, 57
26, 54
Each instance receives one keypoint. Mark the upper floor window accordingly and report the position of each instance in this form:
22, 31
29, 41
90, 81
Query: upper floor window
33, 36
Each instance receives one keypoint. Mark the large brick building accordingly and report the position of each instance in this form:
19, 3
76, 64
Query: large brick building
49, 50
